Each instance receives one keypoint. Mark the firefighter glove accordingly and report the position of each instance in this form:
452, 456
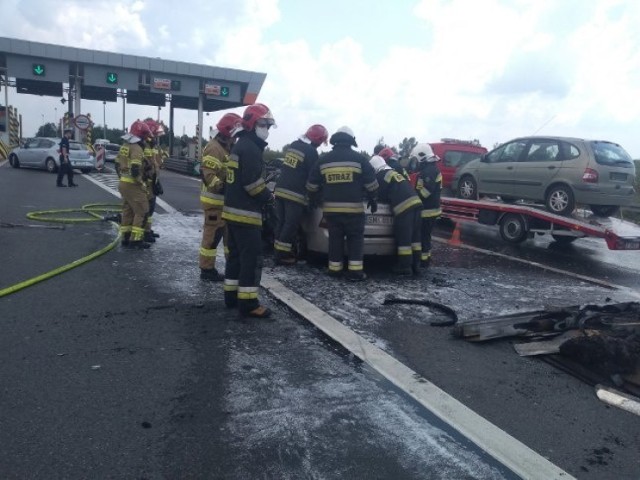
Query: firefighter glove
372, 205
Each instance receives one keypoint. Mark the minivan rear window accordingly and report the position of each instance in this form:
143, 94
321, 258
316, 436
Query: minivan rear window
610, 154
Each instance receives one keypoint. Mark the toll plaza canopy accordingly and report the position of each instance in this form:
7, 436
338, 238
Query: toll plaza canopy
42, 69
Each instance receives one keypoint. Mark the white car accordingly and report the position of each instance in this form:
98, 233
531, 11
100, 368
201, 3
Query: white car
378, 233
44, 153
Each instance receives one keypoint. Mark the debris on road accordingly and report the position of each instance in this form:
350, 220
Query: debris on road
600, 344
427, 303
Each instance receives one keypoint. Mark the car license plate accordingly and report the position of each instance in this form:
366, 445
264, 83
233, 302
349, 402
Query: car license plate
621, 177
379, 220
631, 245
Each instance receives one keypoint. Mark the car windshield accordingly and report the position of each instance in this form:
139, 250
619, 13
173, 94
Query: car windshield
610, 154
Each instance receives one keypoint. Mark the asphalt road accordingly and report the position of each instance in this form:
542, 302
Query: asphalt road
130, 367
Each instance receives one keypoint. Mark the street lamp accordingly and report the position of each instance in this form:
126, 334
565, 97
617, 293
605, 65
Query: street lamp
104, 121
56, 121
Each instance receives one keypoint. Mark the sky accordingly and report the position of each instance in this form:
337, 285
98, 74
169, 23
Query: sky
490, 70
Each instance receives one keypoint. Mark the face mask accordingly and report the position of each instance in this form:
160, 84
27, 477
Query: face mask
262, 132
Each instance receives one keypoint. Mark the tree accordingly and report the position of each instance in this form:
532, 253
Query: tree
47, 130
406, 146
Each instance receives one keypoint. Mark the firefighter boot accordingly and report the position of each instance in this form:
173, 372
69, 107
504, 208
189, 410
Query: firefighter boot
139, 245
211, 275
126, 237
285, 258
356, 275
149, 237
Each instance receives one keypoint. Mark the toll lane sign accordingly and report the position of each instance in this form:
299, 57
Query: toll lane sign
112, 78
217, 90
38, 69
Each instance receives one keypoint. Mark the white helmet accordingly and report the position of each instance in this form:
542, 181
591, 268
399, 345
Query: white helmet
378, 163
423, 152
346, 130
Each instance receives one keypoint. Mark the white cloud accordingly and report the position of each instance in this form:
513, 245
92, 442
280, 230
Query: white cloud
487, 69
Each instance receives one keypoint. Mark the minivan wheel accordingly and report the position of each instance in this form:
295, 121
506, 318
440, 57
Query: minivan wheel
604, 210
560, 200
50, 165
468, 188
13, 161
513, 228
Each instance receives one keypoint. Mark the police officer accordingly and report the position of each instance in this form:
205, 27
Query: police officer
428, 186
291, 192
246, 194
213, 171
65, 163
406, 205
135, 204
342, 178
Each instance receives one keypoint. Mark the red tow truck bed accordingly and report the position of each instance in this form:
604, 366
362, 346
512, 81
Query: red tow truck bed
518, 222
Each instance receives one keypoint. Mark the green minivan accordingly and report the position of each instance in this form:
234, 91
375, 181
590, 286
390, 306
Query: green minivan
561, 172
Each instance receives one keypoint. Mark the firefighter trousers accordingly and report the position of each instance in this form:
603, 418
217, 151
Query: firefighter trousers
406, 230
289, 216
351, 226
427, 227
135, 207
244, 267
152, 209
212, 233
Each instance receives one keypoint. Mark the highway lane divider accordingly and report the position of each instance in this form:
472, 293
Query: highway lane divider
94, 212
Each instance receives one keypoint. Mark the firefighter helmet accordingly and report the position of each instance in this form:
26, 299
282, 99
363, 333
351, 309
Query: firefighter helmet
423, 152
140, 129
378, 163
317, 134
255, 112
341, 132
156, 128
228, 125
387, 153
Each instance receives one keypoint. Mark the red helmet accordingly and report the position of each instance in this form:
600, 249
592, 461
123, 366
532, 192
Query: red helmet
386, 153
255, 112
228, 125
317, 134
156, 128
140, 130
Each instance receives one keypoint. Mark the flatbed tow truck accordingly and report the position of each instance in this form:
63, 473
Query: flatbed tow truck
518, 221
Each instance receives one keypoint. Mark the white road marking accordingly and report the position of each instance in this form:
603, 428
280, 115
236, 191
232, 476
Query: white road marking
503, 447
109, 182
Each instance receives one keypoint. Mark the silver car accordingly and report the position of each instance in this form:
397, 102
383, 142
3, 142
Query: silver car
378, 233
559, 171
44, 153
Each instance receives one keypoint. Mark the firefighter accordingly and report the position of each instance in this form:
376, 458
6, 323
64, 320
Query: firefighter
393, 160
246, 194
428, 186
151, 174
406, 205
291, 192
342, 178
135, 205
213, 173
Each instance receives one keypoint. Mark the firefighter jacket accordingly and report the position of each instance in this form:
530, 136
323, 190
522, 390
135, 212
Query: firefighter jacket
342, 177
396, 191
394, 163
428, 186
130, 162
245, 190
151, 165
299, 158
213, 171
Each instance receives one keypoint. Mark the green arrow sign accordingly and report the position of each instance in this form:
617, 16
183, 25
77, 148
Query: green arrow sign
112, 78
38, 69
224, 92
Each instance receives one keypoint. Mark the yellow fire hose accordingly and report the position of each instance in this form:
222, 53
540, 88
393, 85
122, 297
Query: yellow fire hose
90, 213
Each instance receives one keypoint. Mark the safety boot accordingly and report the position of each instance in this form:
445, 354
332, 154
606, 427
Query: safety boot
139, 245
356, 275
258, 312
425, 263
402, 269
126, 237
211, 275
285, 259
148, 237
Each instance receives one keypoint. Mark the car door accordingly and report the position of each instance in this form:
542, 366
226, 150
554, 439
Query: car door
29, 154
538, 166
497, 169
45, 150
